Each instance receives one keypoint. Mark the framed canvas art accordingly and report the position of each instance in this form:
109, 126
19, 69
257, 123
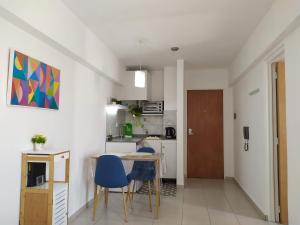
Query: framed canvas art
32, 83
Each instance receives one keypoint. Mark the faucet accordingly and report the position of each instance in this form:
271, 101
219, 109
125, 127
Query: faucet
146, 131
121, 130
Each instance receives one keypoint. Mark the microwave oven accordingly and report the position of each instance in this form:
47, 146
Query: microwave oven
154, 107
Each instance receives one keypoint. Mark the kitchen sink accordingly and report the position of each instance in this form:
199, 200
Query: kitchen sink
153, 137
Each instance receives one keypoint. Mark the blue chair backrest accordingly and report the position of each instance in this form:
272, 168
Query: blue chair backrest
142, 165
110, 172
146, 149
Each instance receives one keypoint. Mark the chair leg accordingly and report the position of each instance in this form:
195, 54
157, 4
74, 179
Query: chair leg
133, 187
150, 195
128, 195
124, 205
97, 196
106, 197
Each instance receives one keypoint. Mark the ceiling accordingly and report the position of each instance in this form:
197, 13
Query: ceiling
209, 33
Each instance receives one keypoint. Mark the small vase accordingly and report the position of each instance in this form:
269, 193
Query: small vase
38, 147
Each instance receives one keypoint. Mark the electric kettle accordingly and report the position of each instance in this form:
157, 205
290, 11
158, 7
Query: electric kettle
170, 133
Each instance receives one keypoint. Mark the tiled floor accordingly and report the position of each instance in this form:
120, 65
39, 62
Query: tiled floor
201, 202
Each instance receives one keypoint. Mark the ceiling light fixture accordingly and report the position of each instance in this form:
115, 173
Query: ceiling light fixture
140, 78
174, 49
140, 75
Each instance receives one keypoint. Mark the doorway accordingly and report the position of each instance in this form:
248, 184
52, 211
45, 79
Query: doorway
280, 142
205, 153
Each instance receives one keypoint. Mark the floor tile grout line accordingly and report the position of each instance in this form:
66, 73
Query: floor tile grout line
207, 209
209, 216
234, 213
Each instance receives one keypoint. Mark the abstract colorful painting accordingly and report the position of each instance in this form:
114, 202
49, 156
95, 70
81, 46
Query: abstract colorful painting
32, 83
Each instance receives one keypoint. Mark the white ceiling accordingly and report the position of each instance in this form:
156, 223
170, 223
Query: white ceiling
208, 32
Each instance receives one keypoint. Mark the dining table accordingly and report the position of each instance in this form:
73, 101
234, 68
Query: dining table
137, 156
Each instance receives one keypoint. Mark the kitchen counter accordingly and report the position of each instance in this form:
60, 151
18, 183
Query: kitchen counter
127, 140
137, 139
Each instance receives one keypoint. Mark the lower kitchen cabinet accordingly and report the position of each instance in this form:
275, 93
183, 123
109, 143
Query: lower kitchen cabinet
155, 144
168, 148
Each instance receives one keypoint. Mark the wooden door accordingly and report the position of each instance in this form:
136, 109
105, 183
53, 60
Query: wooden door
282, 145
205, 157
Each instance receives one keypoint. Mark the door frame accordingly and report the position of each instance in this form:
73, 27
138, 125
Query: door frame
186, 128
274, 57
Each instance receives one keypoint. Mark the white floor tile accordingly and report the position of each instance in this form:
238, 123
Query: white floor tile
201, 202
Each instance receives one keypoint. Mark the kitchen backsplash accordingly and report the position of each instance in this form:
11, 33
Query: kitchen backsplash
113, 123
170, 119
151, 124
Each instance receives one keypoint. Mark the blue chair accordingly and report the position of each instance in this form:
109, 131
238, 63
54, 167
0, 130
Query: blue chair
143, 171
110, 173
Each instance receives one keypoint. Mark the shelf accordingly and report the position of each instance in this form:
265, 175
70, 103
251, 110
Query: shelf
45, 186
152, 114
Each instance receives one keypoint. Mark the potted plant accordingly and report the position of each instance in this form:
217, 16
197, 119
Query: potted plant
38, 142
136, 112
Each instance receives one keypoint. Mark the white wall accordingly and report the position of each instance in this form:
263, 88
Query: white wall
282, 17
292, 56
53, 23
180, 122
252, 167
276, 27
215, 79
79, 124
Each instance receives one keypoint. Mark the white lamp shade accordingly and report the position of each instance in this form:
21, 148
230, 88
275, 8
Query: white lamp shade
139, 78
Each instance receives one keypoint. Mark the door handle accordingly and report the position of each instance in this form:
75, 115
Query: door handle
190, 132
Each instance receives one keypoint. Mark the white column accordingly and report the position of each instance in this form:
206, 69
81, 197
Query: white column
180, 122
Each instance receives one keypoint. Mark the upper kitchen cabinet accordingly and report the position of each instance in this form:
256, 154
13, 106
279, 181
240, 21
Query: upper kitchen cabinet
157, 87
129, 92
170, 88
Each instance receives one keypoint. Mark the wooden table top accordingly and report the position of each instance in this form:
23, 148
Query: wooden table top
138, 156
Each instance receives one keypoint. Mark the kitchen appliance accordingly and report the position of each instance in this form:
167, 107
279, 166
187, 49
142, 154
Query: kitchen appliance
153, 107
127, 130
170, 133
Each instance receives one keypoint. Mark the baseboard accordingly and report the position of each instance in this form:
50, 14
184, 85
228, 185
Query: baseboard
229, 178
265, 217
79, 211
